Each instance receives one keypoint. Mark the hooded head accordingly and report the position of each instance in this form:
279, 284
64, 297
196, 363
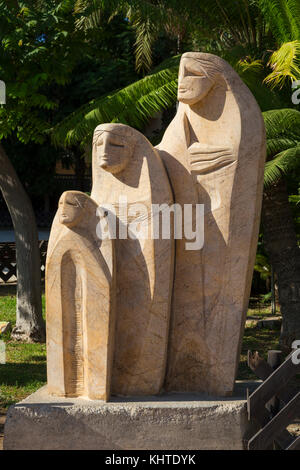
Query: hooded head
114, 146
73, 205
198, 74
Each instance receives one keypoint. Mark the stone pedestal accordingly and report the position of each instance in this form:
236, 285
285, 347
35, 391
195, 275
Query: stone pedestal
169, 422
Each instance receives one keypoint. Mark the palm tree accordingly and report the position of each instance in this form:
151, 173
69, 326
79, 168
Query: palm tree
284, 20
246, 33
280, 238
267, 29
270, 31
133, 105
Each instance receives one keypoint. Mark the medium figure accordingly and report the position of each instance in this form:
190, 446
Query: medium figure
128, 178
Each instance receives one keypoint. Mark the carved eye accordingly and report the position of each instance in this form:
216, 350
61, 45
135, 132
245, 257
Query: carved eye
70, 203
116, 145
112, 144
194, 73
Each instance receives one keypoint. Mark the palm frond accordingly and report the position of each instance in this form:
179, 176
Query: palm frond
133, 105
285, 63
292, 8
282, 122
146, 32
283, 17
148, 19
250, 65
283, 143
252, 72
275, 146
282, 164
90, 13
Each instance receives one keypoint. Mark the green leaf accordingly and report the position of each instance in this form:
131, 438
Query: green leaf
285, 63
133, 105
283, 144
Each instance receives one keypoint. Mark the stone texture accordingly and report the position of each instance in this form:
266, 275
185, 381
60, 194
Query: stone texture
80, 308
128, 177
214, 152
173, 422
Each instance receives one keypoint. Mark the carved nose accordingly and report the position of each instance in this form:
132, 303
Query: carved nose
105, 145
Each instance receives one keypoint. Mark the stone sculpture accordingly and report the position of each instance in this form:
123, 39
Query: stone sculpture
214, 152
110, 278
128, 178
80, 293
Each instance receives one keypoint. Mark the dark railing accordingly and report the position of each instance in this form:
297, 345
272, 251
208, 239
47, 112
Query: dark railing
275, 404
8, 268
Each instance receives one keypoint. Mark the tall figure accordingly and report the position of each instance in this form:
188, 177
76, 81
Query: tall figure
128, 178
80, 306
214, 152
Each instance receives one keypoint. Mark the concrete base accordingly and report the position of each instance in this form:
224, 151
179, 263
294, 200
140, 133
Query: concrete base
168, 422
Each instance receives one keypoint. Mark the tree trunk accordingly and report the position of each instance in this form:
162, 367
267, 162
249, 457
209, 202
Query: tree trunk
29, 323
280, 242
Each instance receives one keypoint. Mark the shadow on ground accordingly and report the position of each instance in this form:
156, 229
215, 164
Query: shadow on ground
22, 373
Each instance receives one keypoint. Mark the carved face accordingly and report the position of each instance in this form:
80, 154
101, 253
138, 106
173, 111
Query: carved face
193, 83
113, 151
71, 208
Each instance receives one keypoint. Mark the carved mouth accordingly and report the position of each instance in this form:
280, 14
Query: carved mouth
63, 219
104, 162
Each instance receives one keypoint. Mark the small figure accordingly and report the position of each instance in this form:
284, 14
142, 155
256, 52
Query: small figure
80, 307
